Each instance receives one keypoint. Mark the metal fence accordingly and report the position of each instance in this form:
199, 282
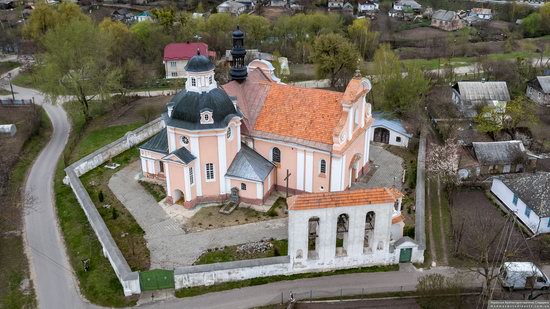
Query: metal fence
16, 102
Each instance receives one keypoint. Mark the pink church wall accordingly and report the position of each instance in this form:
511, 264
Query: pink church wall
176, 179
318, 178
288, 161
209, 154
249, 193
357, 146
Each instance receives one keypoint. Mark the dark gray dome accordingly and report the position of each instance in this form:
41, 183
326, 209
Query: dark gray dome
199, 63
188, 105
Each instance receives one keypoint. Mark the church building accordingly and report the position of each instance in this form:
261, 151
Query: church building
256, 134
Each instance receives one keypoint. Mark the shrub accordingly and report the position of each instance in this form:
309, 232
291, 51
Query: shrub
114, 213
408, 231
100, 196
272, 212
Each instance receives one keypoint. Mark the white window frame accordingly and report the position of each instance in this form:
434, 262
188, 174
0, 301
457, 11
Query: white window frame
321, 166
173, 64
174, 74
243, 186
229, 133
191, 176
210, 79
208, 179
193, 82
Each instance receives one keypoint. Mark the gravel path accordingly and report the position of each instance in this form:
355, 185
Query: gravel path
389, 171
170, 246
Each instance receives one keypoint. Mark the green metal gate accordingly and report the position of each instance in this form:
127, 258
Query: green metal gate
156, 279
405, 255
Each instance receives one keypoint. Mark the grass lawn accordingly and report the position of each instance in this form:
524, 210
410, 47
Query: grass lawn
156, 190
101, 137
100, 284
25, 79
123, 227
8, 66
13, 262
210, 217
231, 253
4, 91
188, 292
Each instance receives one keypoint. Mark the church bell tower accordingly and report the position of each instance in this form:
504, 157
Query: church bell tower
238, 69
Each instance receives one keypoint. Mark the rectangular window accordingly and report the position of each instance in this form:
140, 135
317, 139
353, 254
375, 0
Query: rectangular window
174, 74
527, 211
161, 166
209, 171
515, 200
191, 176
193, 82
548, 224
398, 139
173, 64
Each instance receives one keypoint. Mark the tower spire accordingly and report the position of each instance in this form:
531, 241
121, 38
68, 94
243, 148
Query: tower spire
238, 69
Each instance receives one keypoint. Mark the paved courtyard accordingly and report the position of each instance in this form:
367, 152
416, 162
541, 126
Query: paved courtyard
169, 244
388, 170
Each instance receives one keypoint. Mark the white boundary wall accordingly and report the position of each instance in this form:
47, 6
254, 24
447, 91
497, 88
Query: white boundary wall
128, 278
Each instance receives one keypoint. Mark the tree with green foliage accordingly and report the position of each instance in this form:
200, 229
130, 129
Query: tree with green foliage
489, 120
519, 111
76, 62
45, 17
165, 17
396, 91
335, 58
150, 39
257, 28
532, 25
217, 31
363, 37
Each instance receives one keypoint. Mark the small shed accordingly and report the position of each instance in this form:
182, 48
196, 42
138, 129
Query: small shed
389, 131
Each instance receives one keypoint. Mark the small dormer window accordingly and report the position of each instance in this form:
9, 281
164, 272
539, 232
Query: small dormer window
193, 82
206, 116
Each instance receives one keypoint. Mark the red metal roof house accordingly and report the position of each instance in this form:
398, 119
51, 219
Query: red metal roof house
176, 56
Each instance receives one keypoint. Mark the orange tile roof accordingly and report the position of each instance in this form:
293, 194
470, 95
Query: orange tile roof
354, 90
397, 219
341, 199
309, 114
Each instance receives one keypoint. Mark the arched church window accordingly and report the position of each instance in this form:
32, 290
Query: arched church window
276, 155
229, 133
323, 166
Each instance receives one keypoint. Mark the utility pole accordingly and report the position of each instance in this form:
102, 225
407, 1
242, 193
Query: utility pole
11, 87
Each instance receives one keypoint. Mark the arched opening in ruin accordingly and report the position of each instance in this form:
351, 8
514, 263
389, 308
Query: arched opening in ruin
313, 238
368, 241
342, 229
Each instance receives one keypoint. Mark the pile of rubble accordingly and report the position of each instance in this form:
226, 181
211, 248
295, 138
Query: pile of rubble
255, 247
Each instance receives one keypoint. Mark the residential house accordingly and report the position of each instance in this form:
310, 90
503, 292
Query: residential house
389, 131
447, 20
231, 140
526, 196
143, 16
347, 8
482, 13
232, 7
403, 5
501, 157
367, 7
176, 56
468, 95
122, 15
278, 3
335, 4
538, 90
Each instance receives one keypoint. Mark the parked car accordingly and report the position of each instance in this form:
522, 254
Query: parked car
523, 275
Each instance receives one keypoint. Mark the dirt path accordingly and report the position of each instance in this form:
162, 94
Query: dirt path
443, 235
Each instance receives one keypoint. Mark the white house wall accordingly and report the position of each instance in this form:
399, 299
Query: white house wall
506, 196
393, 137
